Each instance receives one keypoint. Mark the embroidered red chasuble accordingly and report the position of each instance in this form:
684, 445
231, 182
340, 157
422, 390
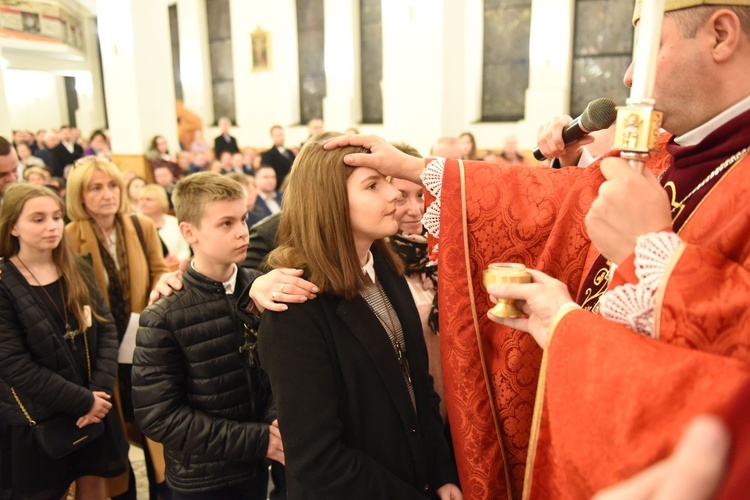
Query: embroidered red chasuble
529, 215
650, 388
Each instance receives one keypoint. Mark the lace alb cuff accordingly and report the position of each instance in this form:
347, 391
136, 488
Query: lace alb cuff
653, 252
432, 179
633, 304
630, 305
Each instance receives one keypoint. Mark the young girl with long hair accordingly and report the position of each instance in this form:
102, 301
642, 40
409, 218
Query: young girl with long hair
348, 370
58, 347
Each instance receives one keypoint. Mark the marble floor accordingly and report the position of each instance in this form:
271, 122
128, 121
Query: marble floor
139, 467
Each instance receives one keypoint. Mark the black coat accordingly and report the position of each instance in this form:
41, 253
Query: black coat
262, 241
281, 163
51, 161
347, 421
35, 360
221, 145
65, 157
197, 390
262, 207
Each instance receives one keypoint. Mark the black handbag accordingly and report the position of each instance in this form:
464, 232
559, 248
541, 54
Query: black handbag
60, 436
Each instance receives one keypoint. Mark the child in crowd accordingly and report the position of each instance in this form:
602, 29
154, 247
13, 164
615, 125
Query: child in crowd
197, 385
58, 345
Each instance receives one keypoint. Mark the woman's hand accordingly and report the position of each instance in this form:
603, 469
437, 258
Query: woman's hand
98, 410
281, 285
168, 283
449, 491
275, 446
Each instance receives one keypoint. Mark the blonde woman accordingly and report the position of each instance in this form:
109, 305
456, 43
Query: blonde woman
154, 204
126, 255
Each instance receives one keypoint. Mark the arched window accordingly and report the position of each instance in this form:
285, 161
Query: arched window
505, 78
312, 74
371, 51
602, 49
219, 18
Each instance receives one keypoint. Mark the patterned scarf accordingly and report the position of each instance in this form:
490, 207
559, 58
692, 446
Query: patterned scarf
118, 288
413, 251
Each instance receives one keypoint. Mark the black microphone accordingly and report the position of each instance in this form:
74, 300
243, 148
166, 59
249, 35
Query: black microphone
599, 114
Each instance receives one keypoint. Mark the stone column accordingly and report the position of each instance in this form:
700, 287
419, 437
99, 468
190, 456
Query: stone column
138, 81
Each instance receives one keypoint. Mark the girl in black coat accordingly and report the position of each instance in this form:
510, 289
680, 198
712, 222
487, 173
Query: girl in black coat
355, 403
58, 347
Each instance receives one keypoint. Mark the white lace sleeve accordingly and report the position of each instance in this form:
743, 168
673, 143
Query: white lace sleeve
432, 179
633, 304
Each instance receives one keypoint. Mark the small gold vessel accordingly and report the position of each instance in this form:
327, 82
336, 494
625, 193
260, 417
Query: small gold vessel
499, 273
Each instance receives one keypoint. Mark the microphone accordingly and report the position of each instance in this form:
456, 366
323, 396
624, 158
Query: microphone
599, 114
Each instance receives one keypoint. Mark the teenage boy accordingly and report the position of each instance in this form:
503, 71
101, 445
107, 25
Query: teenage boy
197, 385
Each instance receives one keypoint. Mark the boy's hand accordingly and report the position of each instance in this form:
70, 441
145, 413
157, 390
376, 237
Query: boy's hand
275, 447
281, 285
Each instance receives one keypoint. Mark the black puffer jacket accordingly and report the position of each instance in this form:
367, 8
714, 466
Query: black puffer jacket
36, 363
197, 390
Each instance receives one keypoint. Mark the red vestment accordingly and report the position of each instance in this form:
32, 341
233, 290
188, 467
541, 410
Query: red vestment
536, 216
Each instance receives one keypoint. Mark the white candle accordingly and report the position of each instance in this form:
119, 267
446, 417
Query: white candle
648, 38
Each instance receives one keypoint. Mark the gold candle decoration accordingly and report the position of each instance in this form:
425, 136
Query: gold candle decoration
499, 273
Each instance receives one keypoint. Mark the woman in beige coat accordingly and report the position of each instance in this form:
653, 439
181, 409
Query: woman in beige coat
127, 258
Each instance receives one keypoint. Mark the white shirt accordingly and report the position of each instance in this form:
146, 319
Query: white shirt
271, 203
369, 267
230, 284
699, 133
170, 234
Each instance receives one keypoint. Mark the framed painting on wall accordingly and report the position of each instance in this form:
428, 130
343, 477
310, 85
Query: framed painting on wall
261, 49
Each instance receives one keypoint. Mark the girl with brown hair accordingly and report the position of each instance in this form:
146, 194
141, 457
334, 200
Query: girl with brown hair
58, 344
348, 370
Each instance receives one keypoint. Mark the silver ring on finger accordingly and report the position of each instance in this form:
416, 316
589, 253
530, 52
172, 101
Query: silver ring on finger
282, 287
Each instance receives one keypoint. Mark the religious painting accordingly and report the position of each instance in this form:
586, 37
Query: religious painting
261, 48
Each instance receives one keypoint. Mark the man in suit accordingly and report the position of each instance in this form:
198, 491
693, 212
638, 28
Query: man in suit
46, 154
314, 127
225, 142
278, 156
8, 166
68, 151
269, 200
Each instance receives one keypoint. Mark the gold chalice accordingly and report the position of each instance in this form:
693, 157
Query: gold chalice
499, 273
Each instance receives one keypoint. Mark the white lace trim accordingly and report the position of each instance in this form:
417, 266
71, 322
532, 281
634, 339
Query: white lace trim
653, 252
633, 304
432, 179
630, 305
431, 219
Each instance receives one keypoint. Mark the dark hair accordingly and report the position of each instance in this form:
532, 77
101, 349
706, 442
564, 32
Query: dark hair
97, 132
4, 146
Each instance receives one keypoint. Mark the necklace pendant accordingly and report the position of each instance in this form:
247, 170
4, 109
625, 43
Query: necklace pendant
70, 336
